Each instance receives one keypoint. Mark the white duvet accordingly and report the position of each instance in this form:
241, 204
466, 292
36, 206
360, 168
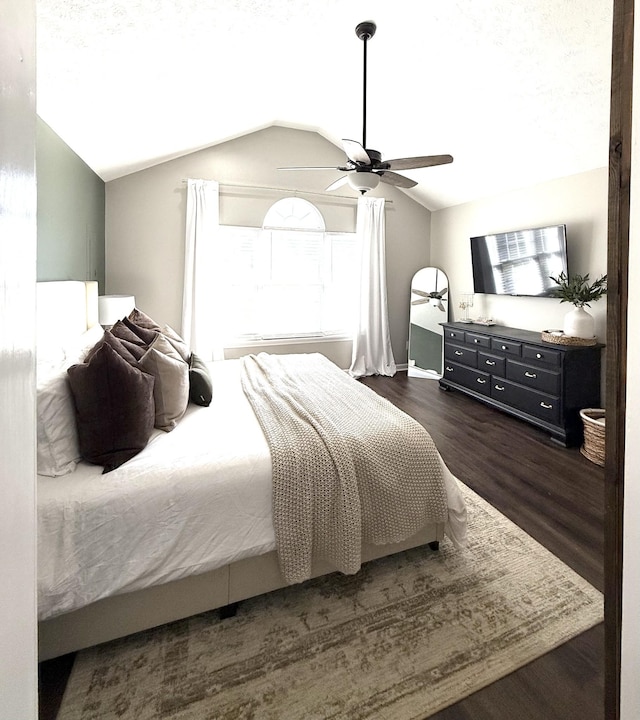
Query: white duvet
193, 500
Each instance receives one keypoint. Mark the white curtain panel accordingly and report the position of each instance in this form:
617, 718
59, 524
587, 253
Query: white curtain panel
201, 306
372, 353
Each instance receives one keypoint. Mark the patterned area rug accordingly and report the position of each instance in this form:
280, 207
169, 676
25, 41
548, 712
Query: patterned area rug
402, 639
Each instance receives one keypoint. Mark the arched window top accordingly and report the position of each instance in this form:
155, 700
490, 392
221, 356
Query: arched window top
293, 213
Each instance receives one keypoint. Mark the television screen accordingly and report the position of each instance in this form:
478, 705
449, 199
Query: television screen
519, 262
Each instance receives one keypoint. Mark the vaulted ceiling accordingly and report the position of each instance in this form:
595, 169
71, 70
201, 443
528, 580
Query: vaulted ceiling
516, 90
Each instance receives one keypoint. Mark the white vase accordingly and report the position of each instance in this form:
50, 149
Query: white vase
579, 323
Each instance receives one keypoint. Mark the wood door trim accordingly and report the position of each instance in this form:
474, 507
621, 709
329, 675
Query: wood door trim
616, 352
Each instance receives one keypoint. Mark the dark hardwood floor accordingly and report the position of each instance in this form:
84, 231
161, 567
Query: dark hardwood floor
553, 493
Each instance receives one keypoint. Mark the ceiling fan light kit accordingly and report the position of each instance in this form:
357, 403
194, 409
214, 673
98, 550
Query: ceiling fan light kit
365, 167
363, 181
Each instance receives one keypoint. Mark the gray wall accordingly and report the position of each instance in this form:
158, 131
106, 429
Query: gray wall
71, 212
145, 222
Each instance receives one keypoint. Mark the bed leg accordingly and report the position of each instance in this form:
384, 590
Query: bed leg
229, 610
435, 545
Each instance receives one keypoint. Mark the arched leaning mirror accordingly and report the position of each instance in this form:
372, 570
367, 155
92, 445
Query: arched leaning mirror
429, 307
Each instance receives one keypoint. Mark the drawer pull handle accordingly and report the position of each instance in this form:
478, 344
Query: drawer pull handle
489, 362
481, 381
449, 369
457, 352
530, 375
452, 334
545, 406
504, 347
539, 356
476, 340
499, 387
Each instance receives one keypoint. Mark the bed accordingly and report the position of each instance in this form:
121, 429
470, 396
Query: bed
187, 523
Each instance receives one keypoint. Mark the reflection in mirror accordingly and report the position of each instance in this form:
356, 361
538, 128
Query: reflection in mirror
429, 308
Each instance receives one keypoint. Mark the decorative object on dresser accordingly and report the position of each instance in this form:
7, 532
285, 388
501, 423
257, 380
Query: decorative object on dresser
577, 290
466, 302
515, 371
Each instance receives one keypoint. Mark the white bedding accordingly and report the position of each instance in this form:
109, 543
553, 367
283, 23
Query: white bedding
193, 500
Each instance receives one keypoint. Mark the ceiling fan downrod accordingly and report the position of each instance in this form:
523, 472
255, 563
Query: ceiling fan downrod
365, 31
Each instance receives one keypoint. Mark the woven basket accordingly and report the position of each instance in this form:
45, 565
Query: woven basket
548, 336
593, 421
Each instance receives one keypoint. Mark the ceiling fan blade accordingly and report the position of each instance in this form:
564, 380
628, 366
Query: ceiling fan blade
333, 167
420, 302
392, 178
422, 293
355, 152
418, 162
338, 183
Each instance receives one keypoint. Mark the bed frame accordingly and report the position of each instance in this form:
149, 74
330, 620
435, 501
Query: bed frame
128, 613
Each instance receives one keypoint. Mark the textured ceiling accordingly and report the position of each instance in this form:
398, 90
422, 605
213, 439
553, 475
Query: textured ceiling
516, 90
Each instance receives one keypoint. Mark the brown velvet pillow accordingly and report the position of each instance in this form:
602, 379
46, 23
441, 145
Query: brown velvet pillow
120, 346
147, 336
122, 332
114, 406
141, 320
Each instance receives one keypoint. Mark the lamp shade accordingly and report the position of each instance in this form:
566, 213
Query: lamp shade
363, 181
112, 308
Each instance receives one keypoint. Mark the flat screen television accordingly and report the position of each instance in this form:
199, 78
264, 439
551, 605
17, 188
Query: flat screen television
519, 262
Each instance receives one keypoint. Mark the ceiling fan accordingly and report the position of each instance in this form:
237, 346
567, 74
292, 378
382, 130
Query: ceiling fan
365, 167
434, 297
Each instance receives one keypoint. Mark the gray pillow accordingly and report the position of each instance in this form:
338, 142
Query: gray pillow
171, 390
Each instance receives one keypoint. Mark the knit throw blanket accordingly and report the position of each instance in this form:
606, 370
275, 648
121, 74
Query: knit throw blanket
348, 466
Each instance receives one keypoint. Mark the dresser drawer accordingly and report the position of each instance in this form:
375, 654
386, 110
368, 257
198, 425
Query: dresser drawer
472, 379
508, 347
542, 356
540, 405
537, 378
456, 335
477, 340
460, 354
491, 363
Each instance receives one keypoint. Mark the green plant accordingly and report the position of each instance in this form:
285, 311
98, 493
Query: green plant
577, 289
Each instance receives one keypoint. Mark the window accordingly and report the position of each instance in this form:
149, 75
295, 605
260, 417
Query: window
289, 279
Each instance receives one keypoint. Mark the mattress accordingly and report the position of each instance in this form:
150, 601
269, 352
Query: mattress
195, 499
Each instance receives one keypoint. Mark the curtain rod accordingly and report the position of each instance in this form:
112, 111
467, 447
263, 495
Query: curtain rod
264, 188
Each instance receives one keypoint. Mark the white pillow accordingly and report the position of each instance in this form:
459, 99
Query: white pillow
57, 436
76, 349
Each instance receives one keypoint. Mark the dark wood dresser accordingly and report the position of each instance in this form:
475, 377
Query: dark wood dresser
515, 371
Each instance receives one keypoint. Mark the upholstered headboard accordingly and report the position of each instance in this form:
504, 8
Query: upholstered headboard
65, 308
